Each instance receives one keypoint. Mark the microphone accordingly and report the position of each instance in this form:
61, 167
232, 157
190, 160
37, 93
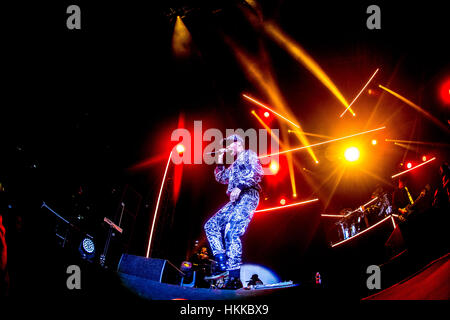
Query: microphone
218, 151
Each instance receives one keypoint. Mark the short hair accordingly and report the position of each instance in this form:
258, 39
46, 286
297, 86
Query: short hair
235, 138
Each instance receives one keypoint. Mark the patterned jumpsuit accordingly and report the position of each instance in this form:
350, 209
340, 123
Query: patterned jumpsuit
225, 228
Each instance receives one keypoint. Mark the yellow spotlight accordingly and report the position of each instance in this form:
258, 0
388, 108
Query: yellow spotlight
374, 142
352, 154
181, 39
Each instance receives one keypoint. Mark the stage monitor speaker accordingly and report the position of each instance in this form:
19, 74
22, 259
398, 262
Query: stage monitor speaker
149, 268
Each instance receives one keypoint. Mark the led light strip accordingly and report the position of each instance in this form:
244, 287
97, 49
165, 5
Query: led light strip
419, 165
157, 205
360, 233
287, 206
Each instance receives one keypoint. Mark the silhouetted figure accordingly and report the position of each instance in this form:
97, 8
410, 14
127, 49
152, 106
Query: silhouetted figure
401, 198
254, 280
202, 265
441, 199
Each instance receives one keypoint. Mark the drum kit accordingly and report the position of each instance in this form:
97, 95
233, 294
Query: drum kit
355, 221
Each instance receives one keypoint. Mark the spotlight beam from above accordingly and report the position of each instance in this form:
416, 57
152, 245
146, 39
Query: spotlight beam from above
362, 90
320, 143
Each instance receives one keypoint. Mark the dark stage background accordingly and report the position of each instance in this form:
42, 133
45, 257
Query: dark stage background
82, 108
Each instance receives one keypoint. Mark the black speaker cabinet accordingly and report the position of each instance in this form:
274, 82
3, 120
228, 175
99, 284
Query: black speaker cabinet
149, 268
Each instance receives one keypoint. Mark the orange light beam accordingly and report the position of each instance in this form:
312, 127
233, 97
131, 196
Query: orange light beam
287, 206
300, 132
300, 54
291, 172
362, 90
365, 230
438, 144
266, 127
157, 206
271, 110
419, 165
417, 108
320, 143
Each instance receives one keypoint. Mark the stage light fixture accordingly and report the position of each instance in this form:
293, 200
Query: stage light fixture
274, 167
186, 266
424, 158
351, 154
374, 142
87, 248
409, 165
283, 201
266, 114
180, 148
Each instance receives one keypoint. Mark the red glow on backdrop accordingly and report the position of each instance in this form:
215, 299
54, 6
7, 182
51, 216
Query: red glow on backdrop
147, 163
444, 92
178, 170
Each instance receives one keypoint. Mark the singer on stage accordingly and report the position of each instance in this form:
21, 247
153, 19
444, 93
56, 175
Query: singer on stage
225, 228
